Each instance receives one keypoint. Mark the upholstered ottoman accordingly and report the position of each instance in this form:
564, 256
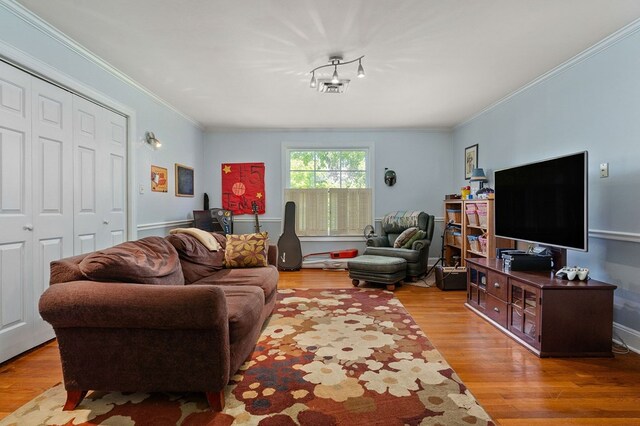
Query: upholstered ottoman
377, 269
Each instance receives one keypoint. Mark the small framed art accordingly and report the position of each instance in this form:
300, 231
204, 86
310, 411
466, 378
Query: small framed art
184, 181
159, 179
470, 160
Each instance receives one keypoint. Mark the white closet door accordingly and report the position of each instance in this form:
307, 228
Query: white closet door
115, 183
100, 188
52, 146
88, 170
16, 224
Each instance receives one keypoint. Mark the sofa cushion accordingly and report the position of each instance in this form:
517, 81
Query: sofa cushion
264, 278
405, 236
150, 260
197, 261
246, 250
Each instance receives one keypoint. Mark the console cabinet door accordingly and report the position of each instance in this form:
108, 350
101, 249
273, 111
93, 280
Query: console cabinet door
477, 287
524, 312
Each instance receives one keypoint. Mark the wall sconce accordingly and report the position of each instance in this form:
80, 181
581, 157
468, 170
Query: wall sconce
150, 138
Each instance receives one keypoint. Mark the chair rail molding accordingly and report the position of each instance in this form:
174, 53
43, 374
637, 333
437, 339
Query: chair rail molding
167, 224
633, 237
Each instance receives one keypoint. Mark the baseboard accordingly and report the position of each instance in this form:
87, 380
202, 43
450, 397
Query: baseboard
630, 337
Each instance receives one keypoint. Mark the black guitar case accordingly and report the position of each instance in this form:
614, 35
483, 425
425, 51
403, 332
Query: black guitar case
289, 250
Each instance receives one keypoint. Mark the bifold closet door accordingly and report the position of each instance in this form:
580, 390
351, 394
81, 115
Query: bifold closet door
16, 248
52, 164
36, 205
100, 176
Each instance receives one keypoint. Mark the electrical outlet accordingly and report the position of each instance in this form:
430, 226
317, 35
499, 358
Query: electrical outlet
604, 170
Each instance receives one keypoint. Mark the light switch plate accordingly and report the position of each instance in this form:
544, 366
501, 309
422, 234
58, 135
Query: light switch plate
604, 170
141, 189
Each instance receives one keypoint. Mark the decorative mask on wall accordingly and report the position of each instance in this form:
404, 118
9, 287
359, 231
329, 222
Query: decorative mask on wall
389, 177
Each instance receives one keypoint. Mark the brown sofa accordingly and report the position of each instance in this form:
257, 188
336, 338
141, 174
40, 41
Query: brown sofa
157, 314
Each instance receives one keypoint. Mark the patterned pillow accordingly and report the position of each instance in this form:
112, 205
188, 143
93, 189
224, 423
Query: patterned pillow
417, 236
246, 250
405, 236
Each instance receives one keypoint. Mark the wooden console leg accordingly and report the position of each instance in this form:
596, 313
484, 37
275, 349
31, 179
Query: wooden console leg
355, 282
73, 399
216, 400
391, 287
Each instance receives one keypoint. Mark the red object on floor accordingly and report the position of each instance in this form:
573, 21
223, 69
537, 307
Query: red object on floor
344, 254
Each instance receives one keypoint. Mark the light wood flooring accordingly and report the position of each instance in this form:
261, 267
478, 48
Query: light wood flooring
512, 384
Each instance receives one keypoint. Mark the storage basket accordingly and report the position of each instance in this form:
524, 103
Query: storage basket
472, 217
474, 244
483, 244
482, 218
457, 239
454, 215
448, 237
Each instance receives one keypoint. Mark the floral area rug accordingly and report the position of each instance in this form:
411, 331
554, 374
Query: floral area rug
327, 357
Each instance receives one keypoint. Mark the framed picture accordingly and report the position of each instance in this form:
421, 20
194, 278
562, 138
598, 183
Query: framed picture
159, 179
470, 160
184, 181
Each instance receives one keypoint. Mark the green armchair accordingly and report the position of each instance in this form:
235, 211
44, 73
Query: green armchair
393, 224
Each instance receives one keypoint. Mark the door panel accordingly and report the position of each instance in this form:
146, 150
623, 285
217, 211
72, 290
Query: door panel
86, 138
16, 291
52, 136
86, 244
115, 221
12, 280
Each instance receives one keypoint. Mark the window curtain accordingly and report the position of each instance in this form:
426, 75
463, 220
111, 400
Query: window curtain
331, 212
312, 212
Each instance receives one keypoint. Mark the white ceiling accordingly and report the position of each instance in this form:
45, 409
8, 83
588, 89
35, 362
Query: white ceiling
244, 64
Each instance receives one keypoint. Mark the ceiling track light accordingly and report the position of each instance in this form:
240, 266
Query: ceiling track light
335, 62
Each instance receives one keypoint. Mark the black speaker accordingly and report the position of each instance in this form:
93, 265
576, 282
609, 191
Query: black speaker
451, 278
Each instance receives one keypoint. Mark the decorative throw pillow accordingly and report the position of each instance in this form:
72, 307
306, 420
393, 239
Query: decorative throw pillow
246, 250
417, 236
405, 236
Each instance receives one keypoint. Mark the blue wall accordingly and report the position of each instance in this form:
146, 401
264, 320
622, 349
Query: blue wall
592, 105
421, 158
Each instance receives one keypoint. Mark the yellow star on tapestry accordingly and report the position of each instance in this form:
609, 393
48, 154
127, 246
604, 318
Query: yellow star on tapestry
226, 168
259, 195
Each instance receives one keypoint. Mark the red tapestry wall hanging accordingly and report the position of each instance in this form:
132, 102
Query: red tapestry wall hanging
242, 184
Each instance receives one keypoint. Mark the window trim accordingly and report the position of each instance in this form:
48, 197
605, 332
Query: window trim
287, 147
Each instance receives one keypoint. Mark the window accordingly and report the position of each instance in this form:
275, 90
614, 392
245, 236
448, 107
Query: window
331, 191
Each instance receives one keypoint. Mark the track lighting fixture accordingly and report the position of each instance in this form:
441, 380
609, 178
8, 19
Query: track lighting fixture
335, 84
150, 138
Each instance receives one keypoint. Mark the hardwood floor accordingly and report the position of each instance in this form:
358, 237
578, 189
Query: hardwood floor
513, 385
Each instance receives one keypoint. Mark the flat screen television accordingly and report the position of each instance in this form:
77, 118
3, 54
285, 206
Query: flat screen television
544, 202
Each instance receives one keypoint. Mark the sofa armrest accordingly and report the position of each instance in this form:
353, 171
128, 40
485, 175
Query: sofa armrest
421, 244
377, 242
90, 304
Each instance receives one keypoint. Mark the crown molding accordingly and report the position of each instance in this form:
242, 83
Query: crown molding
221, 130
38, 23
603, 44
